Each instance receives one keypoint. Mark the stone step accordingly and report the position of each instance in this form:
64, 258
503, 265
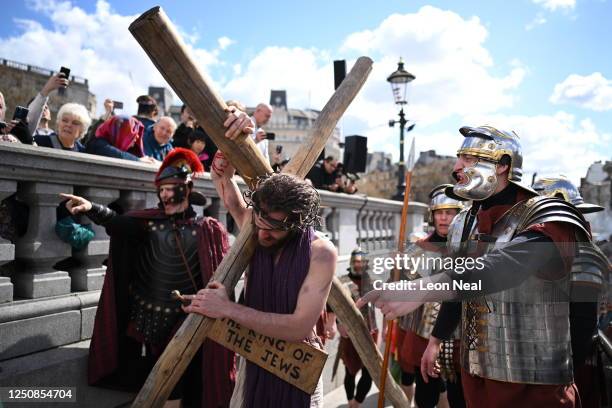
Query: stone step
64, 366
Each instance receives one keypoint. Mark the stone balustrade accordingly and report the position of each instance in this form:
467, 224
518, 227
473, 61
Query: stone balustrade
33, 288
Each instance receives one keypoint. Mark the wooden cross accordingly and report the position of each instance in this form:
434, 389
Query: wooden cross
160, 40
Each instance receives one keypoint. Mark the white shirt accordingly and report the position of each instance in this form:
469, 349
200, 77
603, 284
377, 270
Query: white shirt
262, 145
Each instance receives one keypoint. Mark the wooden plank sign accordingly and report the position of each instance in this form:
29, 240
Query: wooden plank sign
299, 364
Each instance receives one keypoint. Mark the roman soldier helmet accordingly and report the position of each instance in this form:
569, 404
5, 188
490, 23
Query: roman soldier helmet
490, 146
561, 187
178, 168
440, 201
358, 254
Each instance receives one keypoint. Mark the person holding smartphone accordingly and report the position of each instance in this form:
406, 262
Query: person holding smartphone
16, 131
38, 104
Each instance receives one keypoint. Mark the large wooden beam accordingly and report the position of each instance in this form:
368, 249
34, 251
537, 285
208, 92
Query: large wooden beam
157, 36
342, 304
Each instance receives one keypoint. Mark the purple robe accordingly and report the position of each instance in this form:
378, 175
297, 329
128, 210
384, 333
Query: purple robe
275, 289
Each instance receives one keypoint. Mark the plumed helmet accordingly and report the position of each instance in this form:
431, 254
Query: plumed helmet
561, 187
179, 166
439, 200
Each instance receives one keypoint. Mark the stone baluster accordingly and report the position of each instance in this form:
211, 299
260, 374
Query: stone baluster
7, 249
363, 227
347, 233
151, 199
390, 231
133, 200
40, 248
370, 230
89, 274
378, 230
333, 225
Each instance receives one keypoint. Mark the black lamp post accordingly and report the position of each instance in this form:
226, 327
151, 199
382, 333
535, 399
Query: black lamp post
399, 83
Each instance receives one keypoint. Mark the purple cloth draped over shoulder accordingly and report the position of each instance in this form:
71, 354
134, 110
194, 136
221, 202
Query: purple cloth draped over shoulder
275, 288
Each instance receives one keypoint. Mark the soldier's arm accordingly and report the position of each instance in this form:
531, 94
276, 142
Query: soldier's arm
447, 321
102, 215
501, 269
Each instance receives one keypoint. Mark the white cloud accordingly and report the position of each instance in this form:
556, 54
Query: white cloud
447, 55
537, 21
592, 91
554, 5
306, 74
96, 46
225, 42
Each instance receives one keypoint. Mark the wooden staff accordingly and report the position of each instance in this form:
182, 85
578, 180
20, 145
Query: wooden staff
400, 249
156, 34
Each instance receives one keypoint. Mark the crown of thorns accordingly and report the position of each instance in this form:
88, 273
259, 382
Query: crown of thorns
297, 218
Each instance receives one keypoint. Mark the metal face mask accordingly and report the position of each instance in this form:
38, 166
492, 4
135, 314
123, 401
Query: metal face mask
481, 181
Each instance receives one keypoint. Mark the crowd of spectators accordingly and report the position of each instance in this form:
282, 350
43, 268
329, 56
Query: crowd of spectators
329, 174
145, 137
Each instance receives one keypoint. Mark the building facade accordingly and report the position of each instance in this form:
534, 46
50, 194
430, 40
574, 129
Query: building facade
291, 127
21, 82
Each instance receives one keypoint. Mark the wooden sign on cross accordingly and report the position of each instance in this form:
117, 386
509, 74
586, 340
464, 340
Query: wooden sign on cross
155, 33
300, 364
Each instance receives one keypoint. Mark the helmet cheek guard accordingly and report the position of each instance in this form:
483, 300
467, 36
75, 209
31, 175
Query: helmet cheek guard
481, 181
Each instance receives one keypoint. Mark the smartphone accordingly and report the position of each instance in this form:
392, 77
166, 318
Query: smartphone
2, 126
64, 72
279, 149
21, 114
270, 135
117, 105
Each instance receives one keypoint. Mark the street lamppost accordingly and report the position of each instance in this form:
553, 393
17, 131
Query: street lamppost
399, 83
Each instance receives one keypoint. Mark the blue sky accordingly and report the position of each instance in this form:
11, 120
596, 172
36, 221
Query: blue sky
539, 67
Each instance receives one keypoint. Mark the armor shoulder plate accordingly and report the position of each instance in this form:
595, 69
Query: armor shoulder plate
591, 266
547, 209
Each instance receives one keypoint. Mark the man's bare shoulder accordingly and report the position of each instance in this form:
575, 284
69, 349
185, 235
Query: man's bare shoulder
323, 250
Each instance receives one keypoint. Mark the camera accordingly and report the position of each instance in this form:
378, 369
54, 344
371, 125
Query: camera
21, 114
117, 105
270, 135
2, 126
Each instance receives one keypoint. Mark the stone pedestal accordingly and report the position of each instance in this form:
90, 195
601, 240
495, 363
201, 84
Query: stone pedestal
40, 248
7, 250
89, 275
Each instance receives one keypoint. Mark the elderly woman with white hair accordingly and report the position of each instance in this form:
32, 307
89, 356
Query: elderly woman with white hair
72, 123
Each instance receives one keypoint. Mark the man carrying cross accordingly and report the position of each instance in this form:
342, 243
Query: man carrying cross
289, 276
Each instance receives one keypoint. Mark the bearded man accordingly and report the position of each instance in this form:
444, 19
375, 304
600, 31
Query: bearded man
289, 276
